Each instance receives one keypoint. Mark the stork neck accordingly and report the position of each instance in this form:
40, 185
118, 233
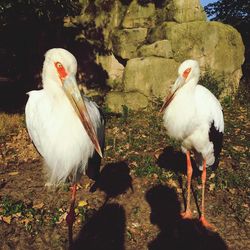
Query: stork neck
191, 84
54, 90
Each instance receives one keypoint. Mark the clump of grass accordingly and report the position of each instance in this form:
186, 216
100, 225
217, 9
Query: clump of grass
10, 123
147, 167
125, 113
55, 216
10, 207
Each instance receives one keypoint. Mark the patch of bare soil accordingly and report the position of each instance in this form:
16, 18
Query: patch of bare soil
136, 202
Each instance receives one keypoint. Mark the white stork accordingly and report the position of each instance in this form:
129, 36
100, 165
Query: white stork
193, 115
65, 127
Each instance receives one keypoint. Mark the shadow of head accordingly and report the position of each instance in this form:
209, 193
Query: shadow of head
104, 230
175, 232
175, 161
114, 179
164, 204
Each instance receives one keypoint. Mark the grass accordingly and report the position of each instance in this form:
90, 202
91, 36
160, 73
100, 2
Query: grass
147, 167
10, 124
9, 207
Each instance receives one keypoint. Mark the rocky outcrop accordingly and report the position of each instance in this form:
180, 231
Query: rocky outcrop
150, 76
126, 41
139, 16
217, 47
151, 40
113, 68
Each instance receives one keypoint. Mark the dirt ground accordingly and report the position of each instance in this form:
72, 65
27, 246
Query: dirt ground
137, 200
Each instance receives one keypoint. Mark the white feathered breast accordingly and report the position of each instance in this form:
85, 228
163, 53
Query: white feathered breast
58, 134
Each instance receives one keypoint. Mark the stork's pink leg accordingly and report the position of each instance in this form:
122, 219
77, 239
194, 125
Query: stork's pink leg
70, 219
71, 216
188, 213
203, 179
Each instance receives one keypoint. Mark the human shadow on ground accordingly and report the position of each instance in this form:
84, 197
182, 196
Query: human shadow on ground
177, 233
104, 230
173, 160
114, 180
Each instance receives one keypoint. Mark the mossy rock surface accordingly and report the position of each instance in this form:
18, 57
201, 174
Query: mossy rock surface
126, 41
217, 47
160, 48
151, 76
138, 15
115, 101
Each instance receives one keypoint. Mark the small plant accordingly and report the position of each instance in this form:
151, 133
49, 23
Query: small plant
9, 207
227, 101
125, 112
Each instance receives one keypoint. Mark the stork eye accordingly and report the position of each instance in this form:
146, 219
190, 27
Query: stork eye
58, 65
61, 70
186, 73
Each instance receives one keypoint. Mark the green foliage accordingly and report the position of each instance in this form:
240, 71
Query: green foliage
148, 167
55, 216
48, 10
212, 82
227, 101
9, 207
228, 11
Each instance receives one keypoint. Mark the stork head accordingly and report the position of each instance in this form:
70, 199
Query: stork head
59, 75
189, 72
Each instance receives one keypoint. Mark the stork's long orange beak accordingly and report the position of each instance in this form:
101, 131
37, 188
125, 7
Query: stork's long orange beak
169, 98
73, 93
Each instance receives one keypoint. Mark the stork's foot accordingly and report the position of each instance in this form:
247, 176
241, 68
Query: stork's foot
187, 214
206, 224
71, 217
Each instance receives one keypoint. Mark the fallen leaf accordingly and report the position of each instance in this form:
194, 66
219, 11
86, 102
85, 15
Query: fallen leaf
211, 186
82, 203
108, 147
211, 176
16, 215
172, 183
14, 173
245, 205
62, 218
6, 219
26, 221
134, 164
39, 205
232, 190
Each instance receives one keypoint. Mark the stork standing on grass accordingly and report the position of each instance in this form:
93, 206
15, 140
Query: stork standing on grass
193, 115
65, 127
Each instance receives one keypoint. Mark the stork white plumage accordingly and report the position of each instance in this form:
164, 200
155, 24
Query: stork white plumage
193, 115
65, 127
